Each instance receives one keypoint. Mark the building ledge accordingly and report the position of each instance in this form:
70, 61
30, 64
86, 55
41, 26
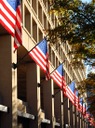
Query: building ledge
25, 115
3, 108
46, 121
57, 124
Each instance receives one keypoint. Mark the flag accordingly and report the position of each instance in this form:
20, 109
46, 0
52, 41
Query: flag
76, 99
87, 114
18, 28
58, 76
40, 55
47, 73
81, 105
70, 92
10, 18
91, 120
84, 109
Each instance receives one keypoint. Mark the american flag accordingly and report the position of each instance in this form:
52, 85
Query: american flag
76, 99
81, 105
84, 108
87, 113
70, 92
92, 121
58, 76
40, 55
10, 18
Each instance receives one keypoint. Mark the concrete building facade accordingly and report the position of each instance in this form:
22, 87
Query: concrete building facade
27, 100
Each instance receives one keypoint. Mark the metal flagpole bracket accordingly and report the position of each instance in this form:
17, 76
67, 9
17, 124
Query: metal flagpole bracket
38, 85
14, 66
62, 103
53, 96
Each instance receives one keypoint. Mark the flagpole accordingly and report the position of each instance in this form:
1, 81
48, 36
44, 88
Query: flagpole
56, 93
14, 66
53, 71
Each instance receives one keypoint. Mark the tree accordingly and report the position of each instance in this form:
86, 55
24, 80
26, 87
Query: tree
77, 26
90, 86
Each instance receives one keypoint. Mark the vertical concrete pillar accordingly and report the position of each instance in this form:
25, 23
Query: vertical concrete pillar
78, 119
74, 116
33, 93
71, 115
14, 88
69, 112
81, 120
8, 82
83, 123
57, 105
77, 116
62, 111
65, 100
53, 113
48, 101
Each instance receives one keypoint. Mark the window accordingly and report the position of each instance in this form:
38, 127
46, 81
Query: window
40, 12
34, 5
34, 30
27, 20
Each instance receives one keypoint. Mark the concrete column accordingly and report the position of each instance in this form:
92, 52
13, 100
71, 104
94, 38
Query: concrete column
14, 88
48, 102
71, 115
74, 116
69, 112
8, 82
78, 121
57, 105
53, 113
84, 123
62, 111
65, 111
81, 120
33, 93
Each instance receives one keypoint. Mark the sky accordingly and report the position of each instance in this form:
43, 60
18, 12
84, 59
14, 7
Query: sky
86, 1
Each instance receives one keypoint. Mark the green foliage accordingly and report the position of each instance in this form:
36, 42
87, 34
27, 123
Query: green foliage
77, 25
88, 85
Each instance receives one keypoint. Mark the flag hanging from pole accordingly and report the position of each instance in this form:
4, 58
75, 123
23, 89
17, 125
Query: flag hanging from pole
10, 18
87, 113
58, 76
81, 105
84, 109
76, 99
18, 27
40, 55
70, 92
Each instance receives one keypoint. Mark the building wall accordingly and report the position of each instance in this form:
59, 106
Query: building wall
29, 99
